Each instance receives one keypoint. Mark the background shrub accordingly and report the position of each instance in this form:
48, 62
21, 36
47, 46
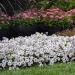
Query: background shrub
63, 24
12, 7
65, 4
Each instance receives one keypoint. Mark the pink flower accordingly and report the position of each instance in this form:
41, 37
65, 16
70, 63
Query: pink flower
51, 13
35, 14
61, 17
67, 14
44, 15
48, 13
57, 16
51, 16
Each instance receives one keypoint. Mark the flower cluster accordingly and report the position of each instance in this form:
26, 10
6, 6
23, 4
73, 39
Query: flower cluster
52, 13
55, 13
36, 49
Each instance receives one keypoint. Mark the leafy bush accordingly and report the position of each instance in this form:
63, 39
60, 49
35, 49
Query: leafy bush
23, 22
64, 23
44, 4
65, 5
73, 19
4, 26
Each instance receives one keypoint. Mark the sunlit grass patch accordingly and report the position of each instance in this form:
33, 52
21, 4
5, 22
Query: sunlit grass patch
56, 69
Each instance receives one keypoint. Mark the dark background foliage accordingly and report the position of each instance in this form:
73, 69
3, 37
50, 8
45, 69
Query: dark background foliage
11, 7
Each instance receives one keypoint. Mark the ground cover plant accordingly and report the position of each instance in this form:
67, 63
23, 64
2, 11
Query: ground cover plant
38, 49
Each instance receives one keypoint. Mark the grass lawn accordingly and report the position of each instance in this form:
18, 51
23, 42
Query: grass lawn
56, 69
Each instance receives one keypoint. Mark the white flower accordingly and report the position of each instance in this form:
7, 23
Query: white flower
9, 62
37, 48
40, 64
26, 59
29, 63
36, 60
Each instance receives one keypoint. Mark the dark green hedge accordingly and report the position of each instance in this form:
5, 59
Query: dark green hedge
65, 4
64, 23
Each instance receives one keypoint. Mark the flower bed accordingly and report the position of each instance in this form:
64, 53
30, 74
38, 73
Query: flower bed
52, 13
37, 49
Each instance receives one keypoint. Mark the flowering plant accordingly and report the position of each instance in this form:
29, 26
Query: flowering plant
37, 49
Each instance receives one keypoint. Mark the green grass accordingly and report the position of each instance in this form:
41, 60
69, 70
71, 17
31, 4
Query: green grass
56, 69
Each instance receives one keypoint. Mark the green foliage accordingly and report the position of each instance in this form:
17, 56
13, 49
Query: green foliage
25, 22
44, 4
73, 19
64, 23
51, 23
65, 5
29, 22
4, 26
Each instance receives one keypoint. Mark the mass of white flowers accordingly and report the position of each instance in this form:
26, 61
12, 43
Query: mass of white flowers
37, 49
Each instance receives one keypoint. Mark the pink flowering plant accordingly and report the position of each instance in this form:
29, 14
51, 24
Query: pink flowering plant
52, 13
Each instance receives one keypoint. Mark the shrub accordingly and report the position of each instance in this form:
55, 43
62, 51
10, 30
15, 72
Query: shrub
63, 24
73, 18
65, 5
23, 22
44, 4
4, 26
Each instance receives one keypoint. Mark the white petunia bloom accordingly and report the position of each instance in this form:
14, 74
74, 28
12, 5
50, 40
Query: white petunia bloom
36, 49
9, 62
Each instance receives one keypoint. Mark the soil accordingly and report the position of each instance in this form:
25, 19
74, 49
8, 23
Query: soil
22, 30
67, 32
